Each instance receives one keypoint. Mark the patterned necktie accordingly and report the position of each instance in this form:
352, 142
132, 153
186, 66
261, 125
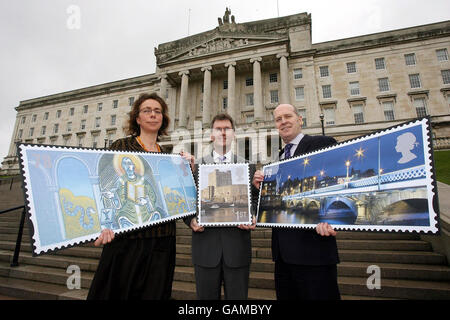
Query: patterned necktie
287, 150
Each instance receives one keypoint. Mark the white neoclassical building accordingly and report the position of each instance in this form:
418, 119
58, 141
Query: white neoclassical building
348, 87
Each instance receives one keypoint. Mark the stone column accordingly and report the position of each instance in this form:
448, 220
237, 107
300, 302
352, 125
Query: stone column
183, 98
163, 86
232, 89
257, 89
206, 114
284, 96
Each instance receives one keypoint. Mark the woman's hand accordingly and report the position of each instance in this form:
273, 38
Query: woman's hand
105, 237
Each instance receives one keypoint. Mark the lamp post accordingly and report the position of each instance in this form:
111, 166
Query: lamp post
106, 141
321, 121
347, 164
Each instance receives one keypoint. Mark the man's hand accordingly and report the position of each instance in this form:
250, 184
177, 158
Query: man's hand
105, 237
326, 230
248, 227
195, 227
258, 177
190, 158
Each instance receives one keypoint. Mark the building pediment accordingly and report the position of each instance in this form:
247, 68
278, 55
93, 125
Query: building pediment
228, 36
217, 44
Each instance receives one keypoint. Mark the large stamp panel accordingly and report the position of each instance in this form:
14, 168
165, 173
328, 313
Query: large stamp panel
380, 182
72, 194
224, 195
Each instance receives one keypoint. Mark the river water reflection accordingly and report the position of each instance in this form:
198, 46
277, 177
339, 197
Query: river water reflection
234, 214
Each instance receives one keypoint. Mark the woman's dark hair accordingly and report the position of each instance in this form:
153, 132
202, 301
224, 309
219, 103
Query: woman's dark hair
133, 127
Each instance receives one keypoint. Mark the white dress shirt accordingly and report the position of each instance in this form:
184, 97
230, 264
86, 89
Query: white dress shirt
217, 157
295, 142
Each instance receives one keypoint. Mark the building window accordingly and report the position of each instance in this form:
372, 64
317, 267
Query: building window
299, 94
19, 135
249, 99
99, 106
442, 55
83, 125
354, 88
113, 120
80, 140
110, 139
71, 111
446, 76
410, 59
23, 119
249, 118
358, 113
224, 103
380, 64
273, 96
248, 82
55, 128
85, 109
130, 101
31, 132
298, 73
225, 84
351, 67
33, 118
97, 122
326, 91
115, 104
414, 80
94, 141
273, 77
329, 116
69, 126
43, 129
421, 107
324, 71
388, 107
58, 114
46, 116
302, 113
383, 84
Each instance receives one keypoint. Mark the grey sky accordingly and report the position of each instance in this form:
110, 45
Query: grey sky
40, 55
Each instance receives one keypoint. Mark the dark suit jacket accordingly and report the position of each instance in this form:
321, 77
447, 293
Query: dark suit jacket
304, 246
232, 243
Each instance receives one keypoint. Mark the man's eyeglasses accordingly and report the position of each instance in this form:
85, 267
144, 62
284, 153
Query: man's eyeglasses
220, 130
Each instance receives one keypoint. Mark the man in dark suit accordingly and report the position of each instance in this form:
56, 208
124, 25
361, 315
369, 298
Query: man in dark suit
221, 254
305, 260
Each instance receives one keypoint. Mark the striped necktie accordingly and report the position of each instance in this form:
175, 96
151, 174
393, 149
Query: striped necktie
287, 150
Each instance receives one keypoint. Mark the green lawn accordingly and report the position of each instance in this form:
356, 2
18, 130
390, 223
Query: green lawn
442, 166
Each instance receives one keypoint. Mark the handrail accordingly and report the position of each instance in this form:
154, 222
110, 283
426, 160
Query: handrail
12, 209
15, 260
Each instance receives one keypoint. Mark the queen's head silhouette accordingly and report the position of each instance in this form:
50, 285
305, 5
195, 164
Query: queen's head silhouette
405, 144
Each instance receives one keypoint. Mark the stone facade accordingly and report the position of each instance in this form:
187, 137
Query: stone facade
357, 85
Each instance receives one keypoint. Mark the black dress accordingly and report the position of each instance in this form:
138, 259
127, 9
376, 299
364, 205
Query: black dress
139, 264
